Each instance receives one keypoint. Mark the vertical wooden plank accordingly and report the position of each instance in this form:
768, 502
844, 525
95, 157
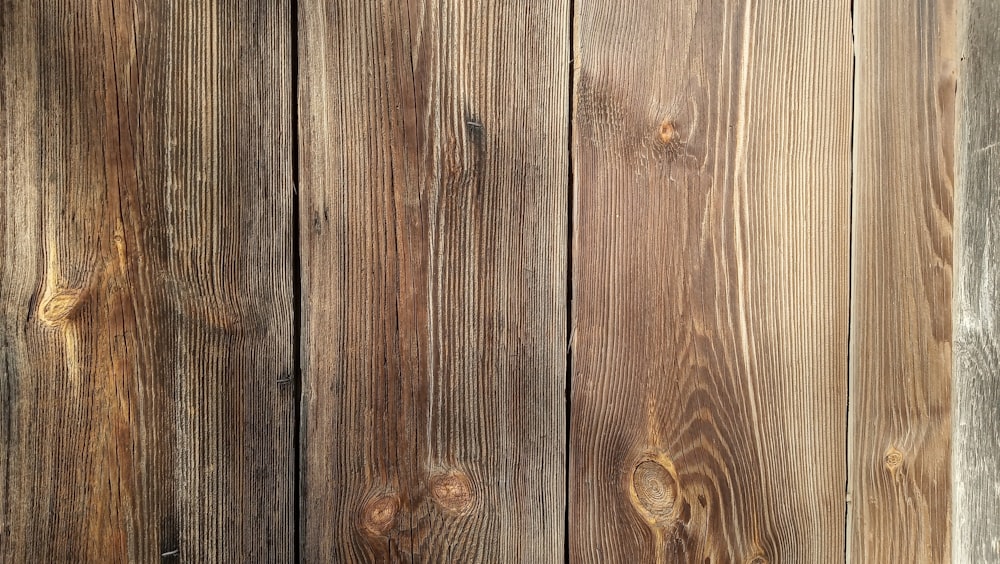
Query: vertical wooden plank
710, 299
145, 282
433, 211
901, 281
976, 400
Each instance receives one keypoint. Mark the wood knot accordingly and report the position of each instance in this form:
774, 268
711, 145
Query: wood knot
59, 307
893, 459
668, 133
379, 515
758, 559
453, 492
654, 490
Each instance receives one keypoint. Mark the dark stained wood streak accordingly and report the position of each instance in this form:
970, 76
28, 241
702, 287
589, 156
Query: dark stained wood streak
976, 399
145, 281
901, 327
711, 152
434, 164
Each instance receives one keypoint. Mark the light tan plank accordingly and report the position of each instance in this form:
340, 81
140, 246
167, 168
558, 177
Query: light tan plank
901, 281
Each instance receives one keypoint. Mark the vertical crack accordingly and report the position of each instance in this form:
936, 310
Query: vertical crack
296, 284
569, 283
850, 285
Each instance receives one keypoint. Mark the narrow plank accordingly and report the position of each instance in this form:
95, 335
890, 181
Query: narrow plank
434, 173
145, 282
976, 381
711, 152
900, 355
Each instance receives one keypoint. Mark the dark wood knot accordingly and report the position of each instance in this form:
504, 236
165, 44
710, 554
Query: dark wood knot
453, 492
379, 515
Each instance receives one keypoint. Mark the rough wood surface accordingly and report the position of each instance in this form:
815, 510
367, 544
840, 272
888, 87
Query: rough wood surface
145, 282
433, 209
711, 152
976, 380
900, 367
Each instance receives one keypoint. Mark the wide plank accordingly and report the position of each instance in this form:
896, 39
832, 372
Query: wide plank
976, 316
900, 355
434, 178
146, 282
711, 157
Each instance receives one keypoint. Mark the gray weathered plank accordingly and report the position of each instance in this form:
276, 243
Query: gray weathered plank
976, 380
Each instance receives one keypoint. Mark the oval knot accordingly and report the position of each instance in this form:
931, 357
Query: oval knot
61, 305
379, 514
668, 132
655, 490
893, 458
453, 492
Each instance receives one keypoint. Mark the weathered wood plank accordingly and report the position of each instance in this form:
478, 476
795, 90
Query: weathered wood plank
145, 282
711, 150
976, 381
900, 365
434, 147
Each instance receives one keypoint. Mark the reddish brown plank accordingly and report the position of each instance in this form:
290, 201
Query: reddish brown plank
711, 151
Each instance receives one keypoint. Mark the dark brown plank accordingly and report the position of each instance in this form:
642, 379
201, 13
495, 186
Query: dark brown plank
711, 154
901, 281
976, 381
433, 210
145, 282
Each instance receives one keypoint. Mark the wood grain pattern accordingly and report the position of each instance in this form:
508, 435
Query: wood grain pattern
711, 150
976, 315
900, 367
434, 147
145, 281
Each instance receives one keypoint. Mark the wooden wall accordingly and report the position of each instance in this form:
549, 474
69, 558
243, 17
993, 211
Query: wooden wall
499, 281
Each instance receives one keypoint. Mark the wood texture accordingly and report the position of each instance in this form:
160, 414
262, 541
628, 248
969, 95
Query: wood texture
145, 281
900, 367
711, 153
976, 315
433, 209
